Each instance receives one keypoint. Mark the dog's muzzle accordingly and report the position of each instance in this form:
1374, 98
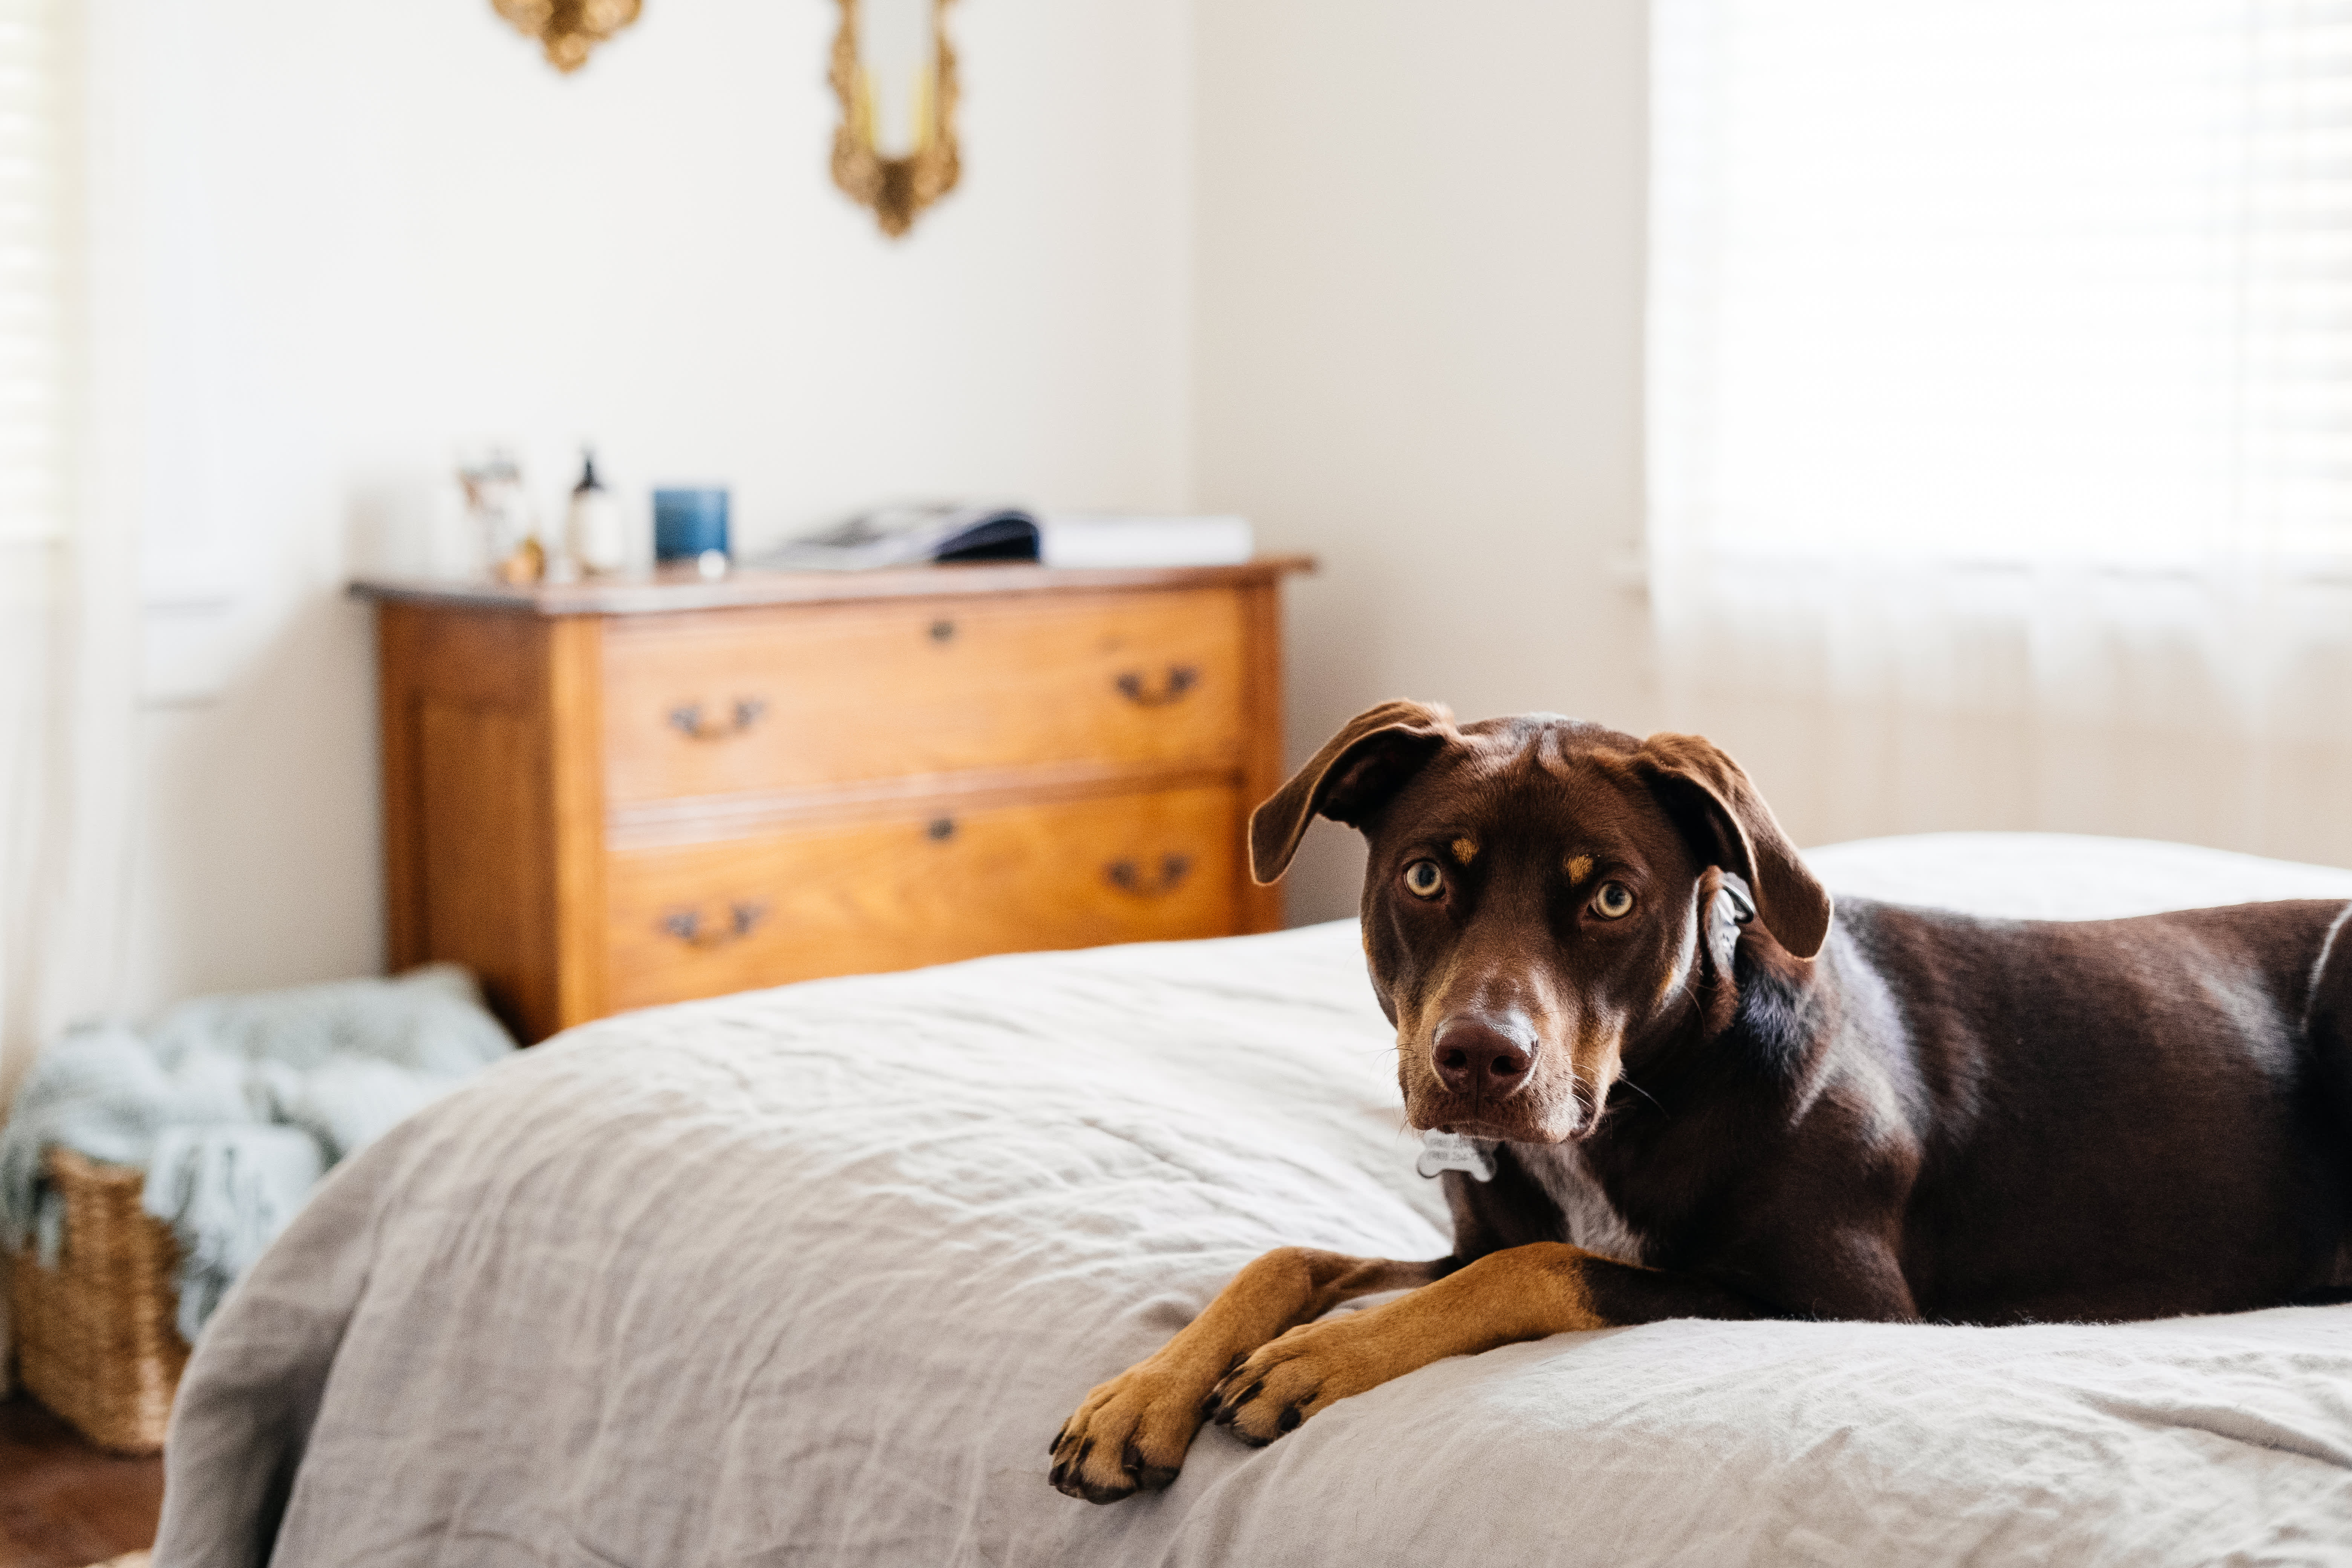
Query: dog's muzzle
1485, 1068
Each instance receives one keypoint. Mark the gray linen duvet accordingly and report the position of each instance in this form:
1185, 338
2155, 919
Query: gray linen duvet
812, 1276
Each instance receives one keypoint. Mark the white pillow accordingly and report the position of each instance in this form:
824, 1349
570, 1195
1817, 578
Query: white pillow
2063, 876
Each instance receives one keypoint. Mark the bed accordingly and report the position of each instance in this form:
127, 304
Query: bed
812, 1275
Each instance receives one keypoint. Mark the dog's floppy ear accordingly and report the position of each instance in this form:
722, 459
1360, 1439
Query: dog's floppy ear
1354, 773
1729, 824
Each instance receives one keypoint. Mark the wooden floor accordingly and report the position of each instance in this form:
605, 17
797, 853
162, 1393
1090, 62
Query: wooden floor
62, 1502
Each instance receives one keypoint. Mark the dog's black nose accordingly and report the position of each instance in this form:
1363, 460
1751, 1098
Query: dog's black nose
1480, 1057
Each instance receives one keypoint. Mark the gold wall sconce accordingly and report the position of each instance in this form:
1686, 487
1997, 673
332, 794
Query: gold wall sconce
568, 28
895, 149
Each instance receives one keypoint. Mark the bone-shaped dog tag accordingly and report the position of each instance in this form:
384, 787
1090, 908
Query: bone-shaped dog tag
1452, 1151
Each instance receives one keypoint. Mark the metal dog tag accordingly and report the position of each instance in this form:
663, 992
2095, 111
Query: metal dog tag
1452, 1151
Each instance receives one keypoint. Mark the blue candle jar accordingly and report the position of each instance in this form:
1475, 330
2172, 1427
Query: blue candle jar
690, 523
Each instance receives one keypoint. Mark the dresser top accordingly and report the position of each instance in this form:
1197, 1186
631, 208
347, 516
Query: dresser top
682, 587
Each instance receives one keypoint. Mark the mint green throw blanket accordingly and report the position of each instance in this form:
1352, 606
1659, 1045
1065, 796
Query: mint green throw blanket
235, 1106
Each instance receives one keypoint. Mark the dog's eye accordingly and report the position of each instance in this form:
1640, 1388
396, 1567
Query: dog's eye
1614, 901
1423, 879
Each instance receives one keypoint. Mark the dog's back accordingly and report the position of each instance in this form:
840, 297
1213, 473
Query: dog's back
2117, 1118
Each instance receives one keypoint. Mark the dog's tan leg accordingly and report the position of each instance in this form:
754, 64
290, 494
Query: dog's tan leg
1131, 1434
1519, 1293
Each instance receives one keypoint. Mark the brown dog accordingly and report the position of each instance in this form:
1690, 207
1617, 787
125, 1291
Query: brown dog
1709, 1099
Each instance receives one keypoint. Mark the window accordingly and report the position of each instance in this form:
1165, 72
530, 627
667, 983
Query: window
2002, 280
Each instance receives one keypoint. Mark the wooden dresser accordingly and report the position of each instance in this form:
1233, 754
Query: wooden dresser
612, 794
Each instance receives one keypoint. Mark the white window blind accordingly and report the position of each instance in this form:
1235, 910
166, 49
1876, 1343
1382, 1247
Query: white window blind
35, 224
2002, 280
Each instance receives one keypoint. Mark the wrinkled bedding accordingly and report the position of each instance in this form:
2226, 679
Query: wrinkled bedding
812, 1276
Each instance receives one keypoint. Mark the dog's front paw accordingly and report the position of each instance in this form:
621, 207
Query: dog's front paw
1129, 1435
1298, 1375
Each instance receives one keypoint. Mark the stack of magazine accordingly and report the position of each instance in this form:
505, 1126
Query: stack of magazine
910, 535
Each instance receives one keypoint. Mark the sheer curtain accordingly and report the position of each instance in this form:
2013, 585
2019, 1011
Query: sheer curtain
2000, 411
68, 495
68, 605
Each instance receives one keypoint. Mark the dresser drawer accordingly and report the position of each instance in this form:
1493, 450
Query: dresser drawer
928, 887
783, 699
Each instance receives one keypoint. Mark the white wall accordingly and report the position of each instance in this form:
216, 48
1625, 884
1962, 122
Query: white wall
1420, 313
360, 236
1368, 273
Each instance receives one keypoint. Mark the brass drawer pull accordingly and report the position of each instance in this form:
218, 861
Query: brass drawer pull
1128, 876
1181, 678
687, 927
686, 719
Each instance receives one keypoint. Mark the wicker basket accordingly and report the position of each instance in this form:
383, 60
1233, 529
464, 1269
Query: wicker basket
95, 1337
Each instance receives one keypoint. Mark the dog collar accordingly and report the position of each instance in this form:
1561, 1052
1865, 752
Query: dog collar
1452, 1151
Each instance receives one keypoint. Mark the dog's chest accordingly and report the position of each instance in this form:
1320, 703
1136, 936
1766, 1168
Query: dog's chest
1591, 1220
